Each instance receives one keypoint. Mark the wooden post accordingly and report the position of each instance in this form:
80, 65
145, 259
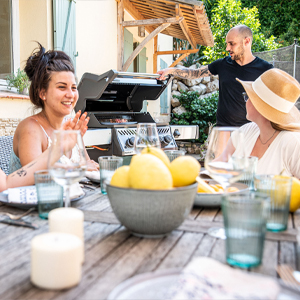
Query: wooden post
155, 55
120, 32
139, 48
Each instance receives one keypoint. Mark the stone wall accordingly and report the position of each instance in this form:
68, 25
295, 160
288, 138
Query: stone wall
8, 126
205, 86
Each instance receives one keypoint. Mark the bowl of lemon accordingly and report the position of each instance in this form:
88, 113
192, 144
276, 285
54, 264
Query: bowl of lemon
151, 197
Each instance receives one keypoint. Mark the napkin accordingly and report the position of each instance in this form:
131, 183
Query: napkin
28, 195
206, 278
93, 175
22, 195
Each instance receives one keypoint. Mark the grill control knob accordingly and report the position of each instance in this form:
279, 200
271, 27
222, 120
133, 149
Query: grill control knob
176, 133
162, 140
168, 139
129, 142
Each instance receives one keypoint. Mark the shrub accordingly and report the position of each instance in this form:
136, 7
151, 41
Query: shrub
199, 112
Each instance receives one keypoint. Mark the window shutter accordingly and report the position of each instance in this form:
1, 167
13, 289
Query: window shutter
128, 47
142, 68
64, 23
164, 107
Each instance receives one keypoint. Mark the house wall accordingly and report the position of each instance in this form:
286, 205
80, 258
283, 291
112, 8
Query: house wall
35, 25
96, 36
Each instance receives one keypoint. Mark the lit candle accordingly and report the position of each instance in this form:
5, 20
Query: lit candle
67, 220
56, 260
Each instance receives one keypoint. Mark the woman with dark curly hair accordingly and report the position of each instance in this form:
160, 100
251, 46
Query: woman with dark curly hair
53, 90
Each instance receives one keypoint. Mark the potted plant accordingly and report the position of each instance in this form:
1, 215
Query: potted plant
19, 81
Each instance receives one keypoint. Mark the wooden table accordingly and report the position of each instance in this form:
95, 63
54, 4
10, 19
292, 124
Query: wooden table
112, 254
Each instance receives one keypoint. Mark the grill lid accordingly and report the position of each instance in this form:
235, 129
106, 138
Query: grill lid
118, 91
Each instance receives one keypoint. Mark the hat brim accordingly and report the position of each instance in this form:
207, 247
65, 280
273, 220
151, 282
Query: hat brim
289, 120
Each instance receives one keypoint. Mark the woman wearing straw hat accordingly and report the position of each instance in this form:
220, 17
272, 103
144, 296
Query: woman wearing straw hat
274, 133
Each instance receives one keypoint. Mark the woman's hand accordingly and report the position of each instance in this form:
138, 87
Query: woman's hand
92, 165
77, 123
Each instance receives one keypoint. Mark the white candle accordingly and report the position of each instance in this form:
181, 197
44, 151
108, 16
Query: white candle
56, 260
67, 220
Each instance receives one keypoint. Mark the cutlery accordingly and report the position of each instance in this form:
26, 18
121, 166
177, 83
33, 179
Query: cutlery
19, 223
286, 273
17, 217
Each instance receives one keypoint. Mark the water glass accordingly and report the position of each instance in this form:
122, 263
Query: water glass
247, 177
245, 216
279, 190
49, 193
172, 154
108, 165
146, 136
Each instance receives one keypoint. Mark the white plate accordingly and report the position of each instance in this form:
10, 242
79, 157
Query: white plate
214, 200
154, 286
4, 199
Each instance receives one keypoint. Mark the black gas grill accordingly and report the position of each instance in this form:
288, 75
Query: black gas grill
114, 102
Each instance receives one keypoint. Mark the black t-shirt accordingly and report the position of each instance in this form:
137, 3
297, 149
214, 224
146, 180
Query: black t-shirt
231, 106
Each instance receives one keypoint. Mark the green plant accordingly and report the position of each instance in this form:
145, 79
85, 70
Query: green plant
20, 81
199, 112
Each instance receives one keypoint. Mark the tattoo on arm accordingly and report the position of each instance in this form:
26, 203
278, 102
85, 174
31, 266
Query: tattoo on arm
32, 164
22, 173
192, 73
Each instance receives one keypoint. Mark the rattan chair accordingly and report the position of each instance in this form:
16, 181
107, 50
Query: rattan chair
6, 145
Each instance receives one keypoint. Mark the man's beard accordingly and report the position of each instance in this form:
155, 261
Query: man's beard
238, 55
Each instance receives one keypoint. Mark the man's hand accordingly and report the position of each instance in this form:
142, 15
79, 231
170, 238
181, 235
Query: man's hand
164, 73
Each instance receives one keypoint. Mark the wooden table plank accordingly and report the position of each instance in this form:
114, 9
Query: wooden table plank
112, 254
163, 249
182, 252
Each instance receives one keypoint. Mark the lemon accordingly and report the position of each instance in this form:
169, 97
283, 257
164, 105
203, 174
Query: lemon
295, 195
120, 177
149, 172
184, 170
158, 153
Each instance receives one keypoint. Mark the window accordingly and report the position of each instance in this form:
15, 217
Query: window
9, 37
6, 57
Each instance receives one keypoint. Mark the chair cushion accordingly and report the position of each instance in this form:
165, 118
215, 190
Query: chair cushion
6, 145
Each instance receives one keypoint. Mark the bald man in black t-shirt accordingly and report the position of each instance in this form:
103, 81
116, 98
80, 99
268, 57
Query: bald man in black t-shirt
239, 64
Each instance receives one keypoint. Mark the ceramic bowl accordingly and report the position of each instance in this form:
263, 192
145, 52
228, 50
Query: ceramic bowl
151, 213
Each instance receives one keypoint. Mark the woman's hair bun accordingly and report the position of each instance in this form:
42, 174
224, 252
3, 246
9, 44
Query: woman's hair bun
34, 61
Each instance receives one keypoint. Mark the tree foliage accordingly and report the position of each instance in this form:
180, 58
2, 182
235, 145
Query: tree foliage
279, 18
226, 14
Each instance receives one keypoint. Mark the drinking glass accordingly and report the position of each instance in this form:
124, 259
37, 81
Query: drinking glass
67, 162
108, 165
245, 215
146, 136
172, 154
279, 190
218, 162
49, 193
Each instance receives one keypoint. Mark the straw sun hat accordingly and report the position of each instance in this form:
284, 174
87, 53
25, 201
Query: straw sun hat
274, 94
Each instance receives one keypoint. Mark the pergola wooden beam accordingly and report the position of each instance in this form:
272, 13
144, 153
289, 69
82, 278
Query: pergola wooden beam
180, 58
120, 37
202, 26
177, 52
145, 22
139, 48
185, 28
135, 14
